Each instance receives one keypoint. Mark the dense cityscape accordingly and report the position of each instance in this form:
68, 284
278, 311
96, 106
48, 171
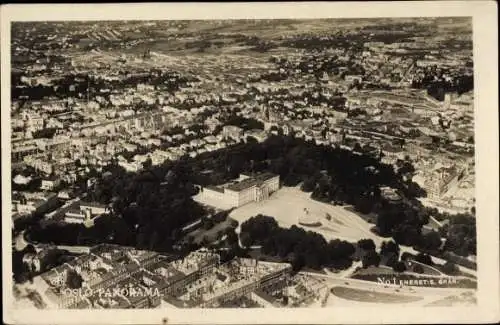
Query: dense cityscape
243, 163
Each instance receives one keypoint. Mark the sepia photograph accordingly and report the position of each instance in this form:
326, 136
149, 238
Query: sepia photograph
256, 164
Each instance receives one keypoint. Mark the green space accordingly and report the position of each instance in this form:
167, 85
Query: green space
372, 296
295, 245
216, 232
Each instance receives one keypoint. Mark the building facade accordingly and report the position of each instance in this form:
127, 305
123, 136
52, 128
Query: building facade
245, 190
442, 180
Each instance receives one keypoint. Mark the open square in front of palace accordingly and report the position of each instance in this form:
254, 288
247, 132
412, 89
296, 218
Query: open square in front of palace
290, 206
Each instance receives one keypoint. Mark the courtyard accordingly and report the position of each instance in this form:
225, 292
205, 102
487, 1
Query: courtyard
290, 206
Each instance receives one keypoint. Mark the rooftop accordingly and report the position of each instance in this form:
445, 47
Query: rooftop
250, 182
215, 188
92, 204
193, 261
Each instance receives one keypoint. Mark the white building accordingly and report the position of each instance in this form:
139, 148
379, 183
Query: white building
38, 202
87, 213
242, 191
50, 183
231, 131
442, 179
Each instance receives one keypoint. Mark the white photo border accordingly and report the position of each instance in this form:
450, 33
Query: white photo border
484, 17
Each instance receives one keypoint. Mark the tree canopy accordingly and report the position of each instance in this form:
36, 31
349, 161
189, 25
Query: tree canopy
300, 247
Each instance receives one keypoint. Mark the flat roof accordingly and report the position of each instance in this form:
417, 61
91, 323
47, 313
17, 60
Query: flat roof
252, 181
215, 188
92, 204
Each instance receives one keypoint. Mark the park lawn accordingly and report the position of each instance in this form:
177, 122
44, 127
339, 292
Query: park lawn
371, 296
370, 217
257, 254
210, 234
374, 271
287, 206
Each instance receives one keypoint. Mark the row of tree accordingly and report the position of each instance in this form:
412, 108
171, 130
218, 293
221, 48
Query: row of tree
25, 270
244, 122
76, 85
389, 255
438, 87
299, 247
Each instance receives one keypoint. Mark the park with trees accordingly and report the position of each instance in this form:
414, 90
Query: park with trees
151, 206
295, 245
